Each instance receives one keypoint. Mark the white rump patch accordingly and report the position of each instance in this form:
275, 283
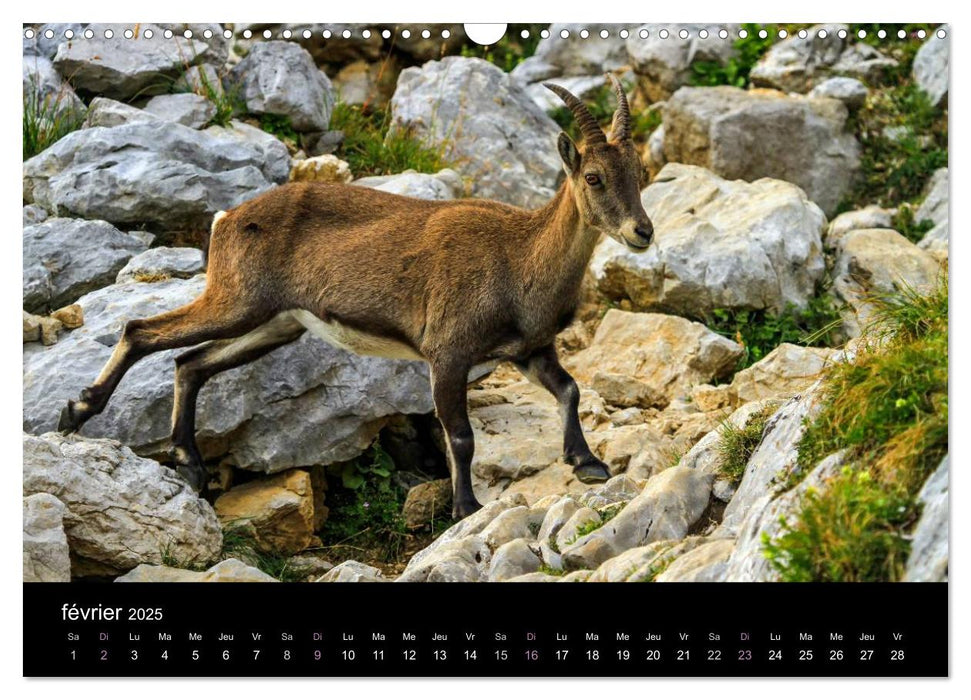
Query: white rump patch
220, 215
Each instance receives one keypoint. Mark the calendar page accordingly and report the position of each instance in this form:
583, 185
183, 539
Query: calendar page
485, 350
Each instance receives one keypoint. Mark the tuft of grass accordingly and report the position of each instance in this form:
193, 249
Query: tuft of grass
736, 71
607, 514
736, 445
549, 570
239, 543
906, 225
279, 125
47, 119
889, 410
760, 331
371, 148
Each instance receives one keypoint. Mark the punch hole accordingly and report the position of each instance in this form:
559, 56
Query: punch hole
167, 34
49, 34
703, 34
88, 34
207, 34
425, 34
187, 33
584, 33
783, 33
803, 33
624, 33
228, 34
287, 34
28, 34
683, 34
643, 33
841, 33
664, 33
446, 34
565, 34
247, 34
148, 34
742, 33
307, 34
722, 33
386, 34
128, 34
267, 34
487, 34
108, 34
921, 34
604, 33
347, 33
366, 33
941, 34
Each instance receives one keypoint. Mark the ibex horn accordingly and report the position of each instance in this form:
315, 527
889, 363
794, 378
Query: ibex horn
620, 128
591, 131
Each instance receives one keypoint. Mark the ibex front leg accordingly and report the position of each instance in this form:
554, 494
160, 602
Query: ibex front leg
450, 395
543, 368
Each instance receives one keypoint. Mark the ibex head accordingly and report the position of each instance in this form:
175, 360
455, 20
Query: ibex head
606, 174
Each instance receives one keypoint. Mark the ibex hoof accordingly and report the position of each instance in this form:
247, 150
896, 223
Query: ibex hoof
593, 472
463, 509
71, 419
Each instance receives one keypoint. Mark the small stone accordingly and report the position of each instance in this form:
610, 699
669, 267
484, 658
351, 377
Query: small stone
157, 264
849, 91
353, 572
71, 316
327, 168
427, 502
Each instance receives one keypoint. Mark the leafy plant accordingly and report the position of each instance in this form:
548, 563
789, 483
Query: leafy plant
371, 148
736, 71
905, 224
47, 119
889, 410
279, 125
760, 331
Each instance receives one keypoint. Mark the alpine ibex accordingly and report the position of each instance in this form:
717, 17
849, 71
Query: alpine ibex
457, 284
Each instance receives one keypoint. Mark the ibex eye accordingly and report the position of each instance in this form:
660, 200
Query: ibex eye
593, 180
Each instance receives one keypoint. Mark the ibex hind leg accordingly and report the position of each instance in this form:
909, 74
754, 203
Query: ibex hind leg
197, 366
191, 324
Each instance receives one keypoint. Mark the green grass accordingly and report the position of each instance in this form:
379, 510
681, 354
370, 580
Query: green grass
736, 445
279, 125
227, 100
736, 71
550, 571
47, 120
889, 409
370, 148
905, 224
607, 514
760, 331
365, 505
239, 543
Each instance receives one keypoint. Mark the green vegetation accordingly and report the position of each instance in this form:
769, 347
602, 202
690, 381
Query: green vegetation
658, 566
905, 224
239, 543
279, 125
365, 509
228, 101
550, 571
889, 410
371, 148
47, 119
738, 444
607, 514
736, 71
760, 332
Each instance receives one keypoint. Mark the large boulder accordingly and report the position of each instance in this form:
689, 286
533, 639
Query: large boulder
786, 371
123, 68
798, 64
184, 108
877, 261
748, 135
718, 244
161, 263
66, 258
665, 64
485, 123
46, 553
649, 359
306, 403
278, 511
280, 78
931, 65
122, 510
160, 174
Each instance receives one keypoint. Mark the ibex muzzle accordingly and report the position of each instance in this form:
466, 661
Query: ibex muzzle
458, 284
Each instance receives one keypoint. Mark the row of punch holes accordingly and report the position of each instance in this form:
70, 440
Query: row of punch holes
642, 33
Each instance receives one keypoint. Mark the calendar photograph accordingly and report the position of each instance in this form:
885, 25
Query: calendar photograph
361, 304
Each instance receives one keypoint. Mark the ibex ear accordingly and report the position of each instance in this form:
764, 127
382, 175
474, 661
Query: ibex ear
569, 153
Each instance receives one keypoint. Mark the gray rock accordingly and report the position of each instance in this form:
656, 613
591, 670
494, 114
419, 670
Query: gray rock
556, 56
280, 77
514, 558
664, 65
931, 65
162, 263
786, 371
46, 553
749, 135
849, 91
226, 571
704, 455
66, 258
936, 241
306, 403
160, 174
125, 68
868, 217
705, 563
46, 46
796, 64
445, 184
936, 197
583, 86
556, 517
583, 518
353, 572
872, 261
49, 96
275, 156
773, 461
34, 214
104, 111
183, 108
632, 564
486, 124
928, 560
510, 524
718, 244
767, 517
122, 510
466, 559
